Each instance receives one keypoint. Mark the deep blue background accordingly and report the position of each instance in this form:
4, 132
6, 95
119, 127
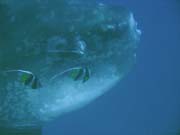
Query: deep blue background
147, 101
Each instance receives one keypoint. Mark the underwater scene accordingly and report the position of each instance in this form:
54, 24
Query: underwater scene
99, 67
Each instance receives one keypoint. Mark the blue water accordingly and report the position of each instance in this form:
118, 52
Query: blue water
147, 101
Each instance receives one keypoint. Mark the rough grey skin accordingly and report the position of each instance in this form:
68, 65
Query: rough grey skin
51, 37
